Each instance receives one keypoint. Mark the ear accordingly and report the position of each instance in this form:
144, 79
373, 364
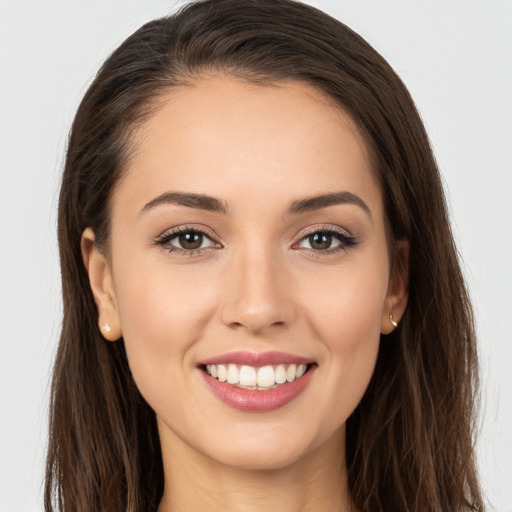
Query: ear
398, 288
102, 286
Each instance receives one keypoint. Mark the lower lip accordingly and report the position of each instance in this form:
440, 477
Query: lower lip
251, 400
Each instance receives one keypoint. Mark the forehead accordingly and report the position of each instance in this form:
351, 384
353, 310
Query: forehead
229, 139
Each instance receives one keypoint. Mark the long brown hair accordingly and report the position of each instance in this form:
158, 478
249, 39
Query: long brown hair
410, 440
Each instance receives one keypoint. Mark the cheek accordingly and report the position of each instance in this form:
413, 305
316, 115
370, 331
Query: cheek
162, 314
346, 317
346, 306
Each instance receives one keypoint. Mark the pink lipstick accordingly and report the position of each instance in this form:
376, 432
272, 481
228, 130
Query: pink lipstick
254, 382
256, 359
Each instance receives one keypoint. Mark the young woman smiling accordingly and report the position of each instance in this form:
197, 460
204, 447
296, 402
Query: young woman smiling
263, 308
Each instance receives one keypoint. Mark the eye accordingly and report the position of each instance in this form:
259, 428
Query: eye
320, 241
185, 240
326, 240
190, 240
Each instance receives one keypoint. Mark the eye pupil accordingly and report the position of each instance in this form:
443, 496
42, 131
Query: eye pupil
190, 240
320, 241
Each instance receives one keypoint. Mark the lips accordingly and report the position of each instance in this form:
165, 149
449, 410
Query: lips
257, 359
255, 382
250, 377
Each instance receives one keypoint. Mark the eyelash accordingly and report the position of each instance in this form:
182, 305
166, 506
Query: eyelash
165, 239
346, 240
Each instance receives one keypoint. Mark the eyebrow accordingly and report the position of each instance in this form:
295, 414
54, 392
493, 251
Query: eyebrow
325, 200
211, 204
199, 201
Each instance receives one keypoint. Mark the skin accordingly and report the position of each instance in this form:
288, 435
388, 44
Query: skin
258, 285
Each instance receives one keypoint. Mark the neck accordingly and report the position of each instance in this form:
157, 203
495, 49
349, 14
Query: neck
318, 481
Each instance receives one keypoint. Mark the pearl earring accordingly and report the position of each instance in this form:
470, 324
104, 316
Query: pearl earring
106, 328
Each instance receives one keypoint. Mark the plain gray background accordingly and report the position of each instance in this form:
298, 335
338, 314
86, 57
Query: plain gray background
455, 57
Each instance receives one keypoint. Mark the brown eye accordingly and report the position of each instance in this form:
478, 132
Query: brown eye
190, 240
326, 241
320, 241
185, 240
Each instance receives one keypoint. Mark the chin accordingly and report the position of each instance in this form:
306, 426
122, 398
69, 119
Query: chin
252, 459
274, 448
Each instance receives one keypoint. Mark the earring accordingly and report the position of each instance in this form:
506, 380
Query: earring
106, 328
393, 321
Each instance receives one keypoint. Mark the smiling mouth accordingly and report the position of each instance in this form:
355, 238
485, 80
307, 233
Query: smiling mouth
257, 378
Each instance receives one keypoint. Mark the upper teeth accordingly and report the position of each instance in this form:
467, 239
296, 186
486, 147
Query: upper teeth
262, 377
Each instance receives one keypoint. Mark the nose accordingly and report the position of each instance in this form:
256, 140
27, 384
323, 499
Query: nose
258, 293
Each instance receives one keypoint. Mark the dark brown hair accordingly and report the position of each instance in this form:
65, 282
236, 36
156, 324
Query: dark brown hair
410, 440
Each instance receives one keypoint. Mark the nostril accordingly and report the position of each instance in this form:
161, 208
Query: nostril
256, 303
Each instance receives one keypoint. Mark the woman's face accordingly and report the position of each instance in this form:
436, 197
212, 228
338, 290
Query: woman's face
248, 245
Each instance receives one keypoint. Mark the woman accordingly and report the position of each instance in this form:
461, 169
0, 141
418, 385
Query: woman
263, 307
